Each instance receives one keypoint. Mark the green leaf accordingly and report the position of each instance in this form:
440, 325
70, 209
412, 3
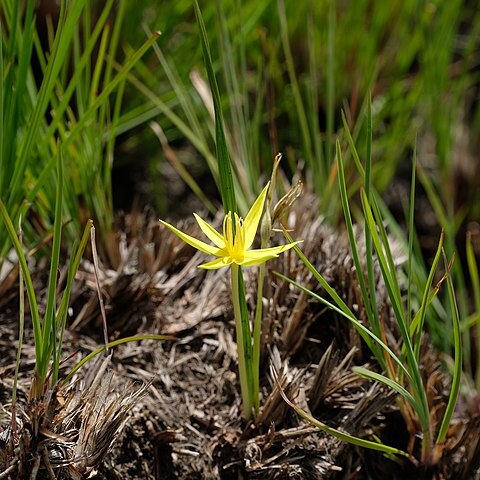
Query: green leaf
115, 343
364, 372
361, 442
363, 331
223, 157
457, 369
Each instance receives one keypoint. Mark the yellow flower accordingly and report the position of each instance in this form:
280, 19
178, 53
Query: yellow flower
232, 248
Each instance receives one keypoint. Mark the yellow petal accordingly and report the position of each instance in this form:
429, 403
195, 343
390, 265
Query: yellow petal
249, 261
210, 232
276, 250
217, 263
253, 218
261, 255
198, 244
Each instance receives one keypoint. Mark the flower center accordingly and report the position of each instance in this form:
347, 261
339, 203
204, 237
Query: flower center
234, 243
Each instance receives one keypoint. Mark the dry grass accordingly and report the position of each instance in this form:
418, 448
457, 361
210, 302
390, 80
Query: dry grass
187, 424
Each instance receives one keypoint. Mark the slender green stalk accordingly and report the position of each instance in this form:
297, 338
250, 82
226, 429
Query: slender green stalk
257, 337
239, 328
416, 328
265, 235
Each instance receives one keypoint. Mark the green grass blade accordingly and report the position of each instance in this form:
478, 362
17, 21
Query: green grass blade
366, 334
457, 369
49, 322
300, 108
338, 433
364, 372
32, 300
371, 299
411, 234
61, 314
388, 274
67, 22
353, 148
373, 318
21, 325
108, 89
115, 343
223, 157
417, 326
391, 285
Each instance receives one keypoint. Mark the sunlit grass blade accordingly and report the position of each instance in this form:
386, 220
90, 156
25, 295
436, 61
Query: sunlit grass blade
32, 300
411, 235
367, 335
418, 272
115, 343
180, 168
366, 373
372, 317
389, 275
353, 148
338, 433
391, 283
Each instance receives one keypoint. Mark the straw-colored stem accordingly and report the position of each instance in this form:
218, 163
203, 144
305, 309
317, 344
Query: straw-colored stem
427, 450
242, 367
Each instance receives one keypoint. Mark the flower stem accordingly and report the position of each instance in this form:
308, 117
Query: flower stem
257, 339
242, 366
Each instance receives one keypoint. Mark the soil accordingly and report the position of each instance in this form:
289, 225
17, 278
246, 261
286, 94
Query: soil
172, 410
